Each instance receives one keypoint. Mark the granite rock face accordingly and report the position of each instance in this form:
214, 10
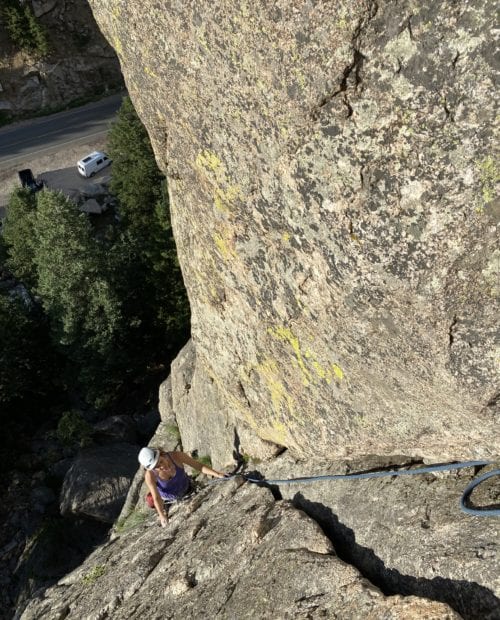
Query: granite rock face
332, 178
205, 423
406, 534
231, 552
97, 483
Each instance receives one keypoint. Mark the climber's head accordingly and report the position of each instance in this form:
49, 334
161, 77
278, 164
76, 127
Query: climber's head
148, 457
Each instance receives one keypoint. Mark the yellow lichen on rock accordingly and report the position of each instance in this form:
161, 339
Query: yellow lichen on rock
308, 358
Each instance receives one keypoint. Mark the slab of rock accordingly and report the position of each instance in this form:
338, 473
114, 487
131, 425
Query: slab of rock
332, 183
97, 483
231, 552
205, 423
407, 534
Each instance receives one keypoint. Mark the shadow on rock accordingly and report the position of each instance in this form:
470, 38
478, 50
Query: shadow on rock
472, 601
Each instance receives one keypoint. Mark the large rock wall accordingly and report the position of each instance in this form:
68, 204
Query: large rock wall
332, 177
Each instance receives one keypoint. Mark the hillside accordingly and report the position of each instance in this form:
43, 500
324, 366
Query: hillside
78, 65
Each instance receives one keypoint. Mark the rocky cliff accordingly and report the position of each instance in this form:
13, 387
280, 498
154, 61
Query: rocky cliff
79, 63
332, 176
392, 549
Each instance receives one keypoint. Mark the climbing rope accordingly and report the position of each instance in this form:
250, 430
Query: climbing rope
477, 512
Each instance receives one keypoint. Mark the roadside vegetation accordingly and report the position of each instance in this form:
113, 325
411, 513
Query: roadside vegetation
100, 311
24, 29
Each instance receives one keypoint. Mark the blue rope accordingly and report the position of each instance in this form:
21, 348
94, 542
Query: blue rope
477, 512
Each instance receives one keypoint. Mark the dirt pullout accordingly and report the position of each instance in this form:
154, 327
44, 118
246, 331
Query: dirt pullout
63, 160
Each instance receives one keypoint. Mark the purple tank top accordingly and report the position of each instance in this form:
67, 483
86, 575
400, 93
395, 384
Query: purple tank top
174, 488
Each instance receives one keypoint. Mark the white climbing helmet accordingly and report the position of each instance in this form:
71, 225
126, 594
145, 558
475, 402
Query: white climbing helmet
148, 457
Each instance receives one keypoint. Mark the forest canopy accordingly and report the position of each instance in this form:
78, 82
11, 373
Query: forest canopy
100, 308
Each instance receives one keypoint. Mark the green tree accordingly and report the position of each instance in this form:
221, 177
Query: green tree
27, 361
24, 29
73, 285
136, 180
19, 236
145, 246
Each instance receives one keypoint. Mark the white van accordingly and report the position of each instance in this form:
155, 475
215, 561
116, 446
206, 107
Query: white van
91, 164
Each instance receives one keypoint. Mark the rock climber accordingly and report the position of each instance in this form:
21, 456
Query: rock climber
166, 479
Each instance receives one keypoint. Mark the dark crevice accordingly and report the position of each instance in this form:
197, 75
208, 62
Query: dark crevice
471, 600
451, 329
389, 467
230, 591
455, 60
410, 31
256, 475
406, 25
352, 70
348, 106
241, 389
493, 405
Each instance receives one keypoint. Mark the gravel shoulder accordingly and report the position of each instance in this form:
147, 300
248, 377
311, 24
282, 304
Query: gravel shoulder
58, 168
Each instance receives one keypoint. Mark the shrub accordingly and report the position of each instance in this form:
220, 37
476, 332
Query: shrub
73, 429
134, 519
94, 574
173, 430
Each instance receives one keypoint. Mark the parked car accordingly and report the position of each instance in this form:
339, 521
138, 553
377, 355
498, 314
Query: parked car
28, 180
93, 163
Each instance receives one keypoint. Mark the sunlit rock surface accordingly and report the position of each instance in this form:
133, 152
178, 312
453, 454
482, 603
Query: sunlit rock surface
232, 552
332, 175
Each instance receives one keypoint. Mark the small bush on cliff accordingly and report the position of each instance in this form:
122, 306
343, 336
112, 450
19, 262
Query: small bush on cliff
73, 429
93, 575
25, 31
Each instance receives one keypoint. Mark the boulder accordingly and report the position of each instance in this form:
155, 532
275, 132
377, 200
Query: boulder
97, 483
116, 429
231, 552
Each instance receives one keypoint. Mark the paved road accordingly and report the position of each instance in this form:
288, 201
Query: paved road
50, 133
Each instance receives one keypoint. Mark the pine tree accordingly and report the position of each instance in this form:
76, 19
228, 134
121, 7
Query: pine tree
136, 179
19, 236
146, 243
74, 288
